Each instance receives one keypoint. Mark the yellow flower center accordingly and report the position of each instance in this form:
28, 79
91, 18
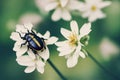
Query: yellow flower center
73, 40
93, 8
60, 5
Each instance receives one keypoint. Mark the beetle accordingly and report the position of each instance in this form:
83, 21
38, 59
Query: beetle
35, 43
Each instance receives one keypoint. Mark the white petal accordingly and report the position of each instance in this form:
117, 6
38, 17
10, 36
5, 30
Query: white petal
15, 36
66, 15
74, 26
60, 43
75, 5
92, 18
21, 29
64, 48
72, 60
18, 54
16, 47
86, 14
51, 6
78, 49
40, 66
82, 54
22, 50
45, 54
100, 14
47, 35
25, 61
40, 69
65, 51
51, 40
66, 33
31, 54
29, 69
56, 14
28, 26
64, 2
104, 4
39, 35
85, 29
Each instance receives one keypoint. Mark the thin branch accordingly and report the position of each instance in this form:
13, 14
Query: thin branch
103, 68
57, 71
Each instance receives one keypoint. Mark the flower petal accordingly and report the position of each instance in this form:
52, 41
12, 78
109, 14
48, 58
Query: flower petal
31, 54
60, 43
21, 51
40, 66
104, 4
85, 29
100, 14
51, 6
82, 54
77, 5
47, 35
72, 60
45, 54
56, 15
51, 40
64, 48
66, 15
65, 51
74, 26
21, 29
92, 18
15, 36
25, 61
16, 47
66, 33
28, 26
29, 69
63, 2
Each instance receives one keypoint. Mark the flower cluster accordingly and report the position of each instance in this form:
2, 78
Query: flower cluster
26, 56
62, 8
72, 47
90, 9
31, 47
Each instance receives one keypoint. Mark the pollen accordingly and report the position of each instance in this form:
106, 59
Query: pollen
93, 8
73, 40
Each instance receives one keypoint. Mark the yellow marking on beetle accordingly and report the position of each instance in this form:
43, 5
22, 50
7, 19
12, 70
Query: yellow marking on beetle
35, 40
32, 36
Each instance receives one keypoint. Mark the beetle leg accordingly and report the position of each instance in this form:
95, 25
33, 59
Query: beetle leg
32, 31
43, 39
35, 52
44, 43
23, 43
21, 36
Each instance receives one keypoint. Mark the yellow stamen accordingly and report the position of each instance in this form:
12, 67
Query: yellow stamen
93, 8
73, 40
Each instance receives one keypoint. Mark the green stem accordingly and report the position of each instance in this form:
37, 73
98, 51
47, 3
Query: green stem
103, 68
57, 71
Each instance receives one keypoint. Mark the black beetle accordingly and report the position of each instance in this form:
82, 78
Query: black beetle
35, 43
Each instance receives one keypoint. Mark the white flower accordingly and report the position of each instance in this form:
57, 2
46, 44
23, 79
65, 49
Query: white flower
62, 8
92, 9
30, 18
32, 62
108, 49
72, 47
41, 4
22, 29
27, 56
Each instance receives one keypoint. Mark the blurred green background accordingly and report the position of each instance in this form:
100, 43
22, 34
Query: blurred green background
86, 69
